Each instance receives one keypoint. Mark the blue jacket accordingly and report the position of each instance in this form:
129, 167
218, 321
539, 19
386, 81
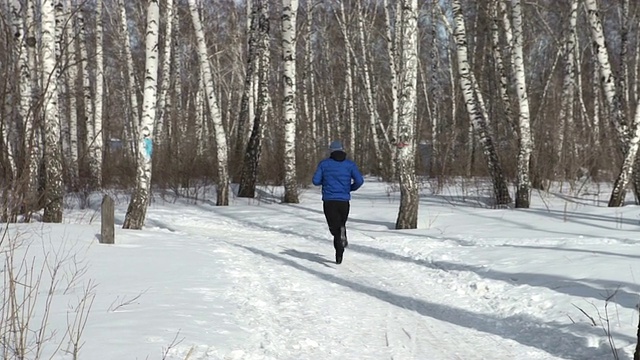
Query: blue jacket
338, 176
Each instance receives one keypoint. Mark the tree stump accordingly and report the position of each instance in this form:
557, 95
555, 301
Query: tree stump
107, 232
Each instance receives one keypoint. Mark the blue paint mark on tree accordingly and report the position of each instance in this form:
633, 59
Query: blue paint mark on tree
148, 147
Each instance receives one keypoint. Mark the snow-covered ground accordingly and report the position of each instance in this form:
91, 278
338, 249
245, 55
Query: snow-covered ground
257, 279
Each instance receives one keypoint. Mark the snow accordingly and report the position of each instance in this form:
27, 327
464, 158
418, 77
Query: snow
257, 279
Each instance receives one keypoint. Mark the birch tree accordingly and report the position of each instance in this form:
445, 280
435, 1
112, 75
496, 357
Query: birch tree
97, 144
21, 49
251, 161
568, 84
33, 142
130, 74
525, 146
476, 116
137, 209
71, 77
164, 101
409, 200
91, 133
54, 187
214, 110
289, 14
628, 145
247, 100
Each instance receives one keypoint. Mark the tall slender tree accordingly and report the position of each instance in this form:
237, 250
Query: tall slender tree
96, 145
214, 110
409, 200
137, 211
289, 15
565, 118
71, 77
247, 99
251, 161
164, 100
476, 115
525, 143
54, 187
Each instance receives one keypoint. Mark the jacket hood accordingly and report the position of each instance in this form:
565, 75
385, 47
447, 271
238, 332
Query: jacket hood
338, 155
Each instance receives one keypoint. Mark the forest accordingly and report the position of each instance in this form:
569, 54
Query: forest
175, 94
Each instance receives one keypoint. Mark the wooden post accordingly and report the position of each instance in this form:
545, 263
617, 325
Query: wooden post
107, 232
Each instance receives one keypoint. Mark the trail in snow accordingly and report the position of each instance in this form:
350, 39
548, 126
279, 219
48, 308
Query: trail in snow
379, 304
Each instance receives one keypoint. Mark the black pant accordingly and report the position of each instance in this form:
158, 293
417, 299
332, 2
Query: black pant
336, 213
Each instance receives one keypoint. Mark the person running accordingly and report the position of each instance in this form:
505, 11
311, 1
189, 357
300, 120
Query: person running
338, 176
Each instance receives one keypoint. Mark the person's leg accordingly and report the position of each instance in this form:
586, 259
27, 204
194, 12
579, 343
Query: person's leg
344, 215
333, 213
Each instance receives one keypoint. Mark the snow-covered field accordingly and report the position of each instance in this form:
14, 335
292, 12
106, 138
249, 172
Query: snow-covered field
257, 279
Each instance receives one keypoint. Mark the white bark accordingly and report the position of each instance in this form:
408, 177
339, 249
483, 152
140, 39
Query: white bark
408, 211
393, 80
214, 110
137, 210
348, 93
607, 77
499, 64
289, 15
33, 139
476, 116
86, 85
164, 101
130, 74
61, 52
565, 124
72, 92
54, 188
200, 122
21, 51
370, 97
308, 90
97, 146
525, 146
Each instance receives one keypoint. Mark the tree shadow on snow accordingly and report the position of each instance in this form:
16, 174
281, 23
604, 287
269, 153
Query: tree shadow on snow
549, 337
596, 289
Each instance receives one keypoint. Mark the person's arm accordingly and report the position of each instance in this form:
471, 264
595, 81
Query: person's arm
317, 177
358, 180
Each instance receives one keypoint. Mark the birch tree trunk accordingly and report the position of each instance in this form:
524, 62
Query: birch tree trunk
611, 95
254, 146
62, 50
370, 98
501, 191
130, 74
71, 76
499, 64
21, 50
568, 87
137, 210
393, 79
409, 200
97, 145
214, 110
33, 141
289, 14
608, 79
247, 100
525, 146
54, 187
164, 101
308, 90
89, 119
348, 93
